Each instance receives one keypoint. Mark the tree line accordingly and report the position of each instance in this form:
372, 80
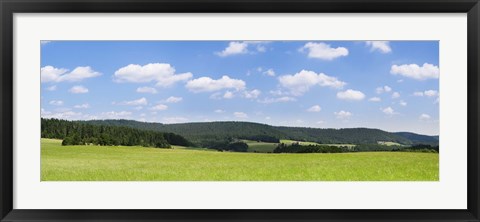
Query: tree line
297, 148
82, 133
201, 133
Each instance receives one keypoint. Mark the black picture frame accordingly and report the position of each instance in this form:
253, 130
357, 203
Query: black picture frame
9, 7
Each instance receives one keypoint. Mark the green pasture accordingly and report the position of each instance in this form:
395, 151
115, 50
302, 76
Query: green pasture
121, 163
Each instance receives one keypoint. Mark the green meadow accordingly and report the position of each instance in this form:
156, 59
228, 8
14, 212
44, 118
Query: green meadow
134, 163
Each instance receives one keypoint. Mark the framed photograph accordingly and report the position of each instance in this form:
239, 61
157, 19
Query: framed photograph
235, 110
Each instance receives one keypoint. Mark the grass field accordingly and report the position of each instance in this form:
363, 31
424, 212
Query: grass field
261, 147
120, 163
288, 142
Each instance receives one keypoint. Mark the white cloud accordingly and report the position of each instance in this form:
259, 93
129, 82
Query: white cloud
343, 114
159, 107
424, 116
116, 115
44, 42
241, 115
383, 89
228, 95
428, 93
219, 111
388, 111
68, 115
52, 74
315, 108
237, 48
173, 99
418, 93
51, 88
374, 99
381, 46
82, 106
162, 73
403, 103
56, 102
277, 100
234, 48
137, 102
170, 120
414, 71
395, 95
146, 89
351, 94
78, 89
252, 94
269, 72
207, 84
301, 82
323, 51
431, 93
138, 107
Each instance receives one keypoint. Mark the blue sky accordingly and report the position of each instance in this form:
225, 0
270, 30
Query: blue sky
390, 85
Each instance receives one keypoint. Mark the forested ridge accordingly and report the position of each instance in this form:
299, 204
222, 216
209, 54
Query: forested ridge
82, 133
205, 133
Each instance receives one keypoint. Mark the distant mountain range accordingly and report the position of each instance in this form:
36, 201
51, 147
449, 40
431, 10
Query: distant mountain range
204, 132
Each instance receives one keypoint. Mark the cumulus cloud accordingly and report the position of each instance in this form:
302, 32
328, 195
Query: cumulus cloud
68, 115
414, 71
418, 93
301, 82
173, 99
269, 72
424, 116
233, 49
219, 111
137, 102
383, 89
343, 114
237, 48
240, 115
252, 94
315, 108
402, 103
388, 111
228, 95
375, 99
116, 115
51, 88
427, 93
56, 102
323, 51
52, 74
162, 73
395, 95
78, 89
277, 100
431, 93
207, 84
170, 120
351, 94
146, 89
380, 46
159, 107
82, 106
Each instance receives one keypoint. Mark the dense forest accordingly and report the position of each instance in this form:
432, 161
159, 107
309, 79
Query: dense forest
297, 148
82, 133
206, 133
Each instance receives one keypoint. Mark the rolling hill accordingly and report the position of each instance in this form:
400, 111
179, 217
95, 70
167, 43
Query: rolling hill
204, 132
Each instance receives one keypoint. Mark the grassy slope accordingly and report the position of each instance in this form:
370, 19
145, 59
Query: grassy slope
95, 163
